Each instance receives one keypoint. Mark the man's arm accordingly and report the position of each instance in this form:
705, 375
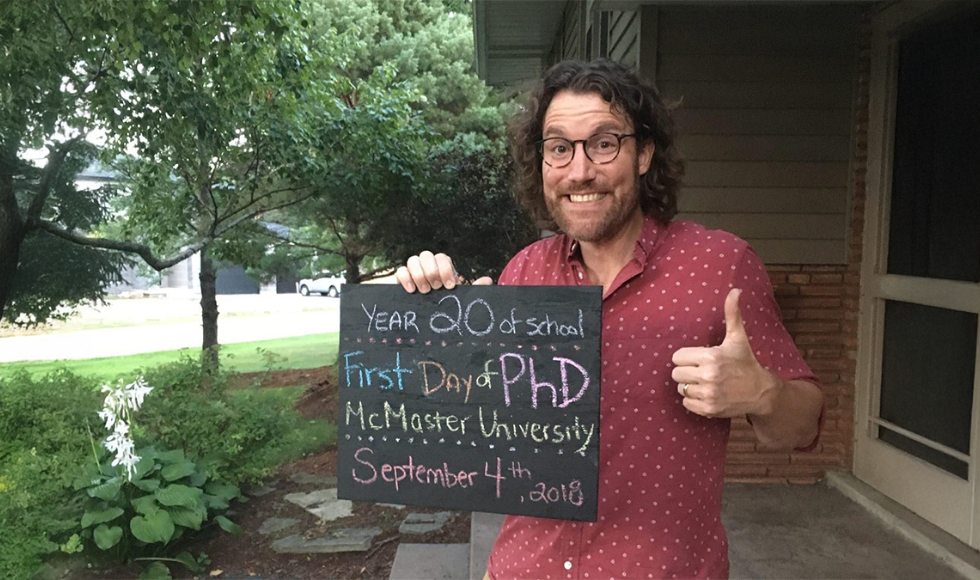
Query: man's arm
788, 415
728, 381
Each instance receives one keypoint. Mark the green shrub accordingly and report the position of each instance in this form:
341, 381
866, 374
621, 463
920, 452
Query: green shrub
236, 434
43, 443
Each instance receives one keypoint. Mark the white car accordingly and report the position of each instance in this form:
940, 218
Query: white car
325, 286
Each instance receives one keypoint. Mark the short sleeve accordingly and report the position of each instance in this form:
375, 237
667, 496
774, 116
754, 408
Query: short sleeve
771, 342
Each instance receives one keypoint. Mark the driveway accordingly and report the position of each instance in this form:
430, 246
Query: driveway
139, 325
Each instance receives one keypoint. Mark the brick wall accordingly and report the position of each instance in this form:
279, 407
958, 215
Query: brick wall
820, 309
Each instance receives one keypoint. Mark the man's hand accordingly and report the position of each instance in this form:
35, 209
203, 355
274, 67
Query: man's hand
724, 380
429, 271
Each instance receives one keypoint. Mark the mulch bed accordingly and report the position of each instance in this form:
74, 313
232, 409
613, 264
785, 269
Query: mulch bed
251, 554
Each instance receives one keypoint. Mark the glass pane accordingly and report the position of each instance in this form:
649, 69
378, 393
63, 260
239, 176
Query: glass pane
928, 364
934, 229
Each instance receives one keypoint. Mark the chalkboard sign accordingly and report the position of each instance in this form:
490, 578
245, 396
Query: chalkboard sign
483, 398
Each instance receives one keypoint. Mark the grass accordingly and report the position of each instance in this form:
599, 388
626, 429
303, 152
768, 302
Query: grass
300, 352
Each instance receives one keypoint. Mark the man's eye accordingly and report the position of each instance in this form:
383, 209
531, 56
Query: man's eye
606, 143
559, 148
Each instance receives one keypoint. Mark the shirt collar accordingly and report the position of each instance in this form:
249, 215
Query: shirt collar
645, 244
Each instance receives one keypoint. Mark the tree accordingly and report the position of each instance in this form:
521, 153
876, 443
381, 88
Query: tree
411, 66
216, 97
54, 276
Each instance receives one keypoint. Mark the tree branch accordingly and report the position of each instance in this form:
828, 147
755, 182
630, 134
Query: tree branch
142, 250
51, 169
291, 242
71, 33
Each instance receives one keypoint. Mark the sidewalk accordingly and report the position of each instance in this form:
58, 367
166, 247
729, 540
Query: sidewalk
155, 324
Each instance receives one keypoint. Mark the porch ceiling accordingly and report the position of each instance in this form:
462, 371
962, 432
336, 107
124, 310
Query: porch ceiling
512, 38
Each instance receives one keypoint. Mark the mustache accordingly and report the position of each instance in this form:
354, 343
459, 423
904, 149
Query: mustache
590, 187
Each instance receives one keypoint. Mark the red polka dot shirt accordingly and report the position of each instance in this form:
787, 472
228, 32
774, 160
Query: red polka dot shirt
660, 466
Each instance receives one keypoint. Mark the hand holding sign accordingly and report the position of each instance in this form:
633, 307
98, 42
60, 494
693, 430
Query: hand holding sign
724, 380
428, 271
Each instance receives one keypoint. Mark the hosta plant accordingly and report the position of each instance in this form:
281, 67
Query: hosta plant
139, 512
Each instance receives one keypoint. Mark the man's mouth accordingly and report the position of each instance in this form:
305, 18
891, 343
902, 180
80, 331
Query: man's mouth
585, 197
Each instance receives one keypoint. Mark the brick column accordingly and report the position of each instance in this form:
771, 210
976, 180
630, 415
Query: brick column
820, 308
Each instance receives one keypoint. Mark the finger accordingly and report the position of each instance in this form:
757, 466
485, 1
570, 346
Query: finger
418, 276
734, 326
447, 272
696, 406
405, 279
431, 269
686, 375
694, 391
691, 356
484, 281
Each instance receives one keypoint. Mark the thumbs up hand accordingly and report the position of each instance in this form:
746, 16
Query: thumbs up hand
724, 380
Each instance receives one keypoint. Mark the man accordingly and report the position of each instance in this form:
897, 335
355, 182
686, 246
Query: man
691, 333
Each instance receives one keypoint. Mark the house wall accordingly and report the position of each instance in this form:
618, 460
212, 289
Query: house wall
773, 123
820, 308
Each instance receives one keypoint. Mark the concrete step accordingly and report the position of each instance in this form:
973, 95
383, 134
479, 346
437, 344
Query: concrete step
431, 562
484, 528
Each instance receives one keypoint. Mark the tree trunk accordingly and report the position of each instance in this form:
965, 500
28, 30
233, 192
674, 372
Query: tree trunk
353, 264
12, 234
209, 311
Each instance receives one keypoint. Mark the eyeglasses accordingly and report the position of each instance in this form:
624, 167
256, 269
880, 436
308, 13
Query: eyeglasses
600, 148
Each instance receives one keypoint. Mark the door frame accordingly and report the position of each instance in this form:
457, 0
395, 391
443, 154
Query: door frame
936, 495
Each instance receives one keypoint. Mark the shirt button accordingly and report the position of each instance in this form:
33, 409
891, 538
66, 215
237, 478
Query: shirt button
568, 565
579, 275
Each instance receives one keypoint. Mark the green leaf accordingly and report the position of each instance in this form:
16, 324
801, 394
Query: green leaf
149, 485
108, 490
156, 571
145, 505
198, 478
153, 528
188, 517
179, 495
177, 470
143, 467
175, 456
214, 502
106, 537
189, 562
225, 491
229, 526
90, 518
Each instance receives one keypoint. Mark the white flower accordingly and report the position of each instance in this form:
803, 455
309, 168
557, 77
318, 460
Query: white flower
120, 403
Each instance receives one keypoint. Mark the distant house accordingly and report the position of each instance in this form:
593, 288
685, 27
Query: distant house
184, 276
842, 140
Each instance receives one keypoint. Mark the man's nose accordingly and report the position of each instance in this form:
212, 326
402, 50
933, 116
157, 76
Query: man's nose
581, 169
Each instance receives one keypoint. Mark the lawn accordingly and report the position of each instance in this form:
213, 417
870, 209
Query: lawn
300, 352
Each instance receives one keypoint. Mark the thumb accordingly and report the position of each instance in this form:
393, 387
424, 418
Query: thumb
484, 281
734, 327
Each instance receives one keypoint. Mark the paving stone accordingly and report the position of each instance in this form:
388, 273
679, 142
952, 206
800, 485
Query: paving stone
430, 562
323, 503
397, 506
417, 523
345, 540
311, 479
273, 525
261, 490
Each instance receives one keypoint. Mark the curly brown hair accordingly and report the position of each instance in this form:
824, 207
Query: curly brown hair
635, 99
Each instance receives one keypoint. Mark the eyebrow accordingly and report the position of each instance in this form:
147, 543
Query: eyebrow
557, 131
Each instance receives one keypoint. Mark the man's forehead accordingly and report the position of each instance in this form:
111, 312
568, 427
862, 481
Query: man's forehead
581, 111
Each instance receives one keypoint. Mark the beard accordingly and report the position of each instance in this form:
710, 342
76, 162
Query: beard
602, 226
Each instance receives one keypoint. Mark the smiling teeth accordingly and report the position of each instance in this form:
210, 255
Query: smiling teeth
578, 198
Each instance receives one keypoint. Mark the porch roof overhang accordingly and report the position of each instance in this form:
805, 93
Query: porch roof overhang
512, 38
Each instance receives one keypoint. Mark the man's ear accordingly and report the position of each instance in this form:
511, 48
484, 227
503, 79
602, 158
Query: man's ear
645, 157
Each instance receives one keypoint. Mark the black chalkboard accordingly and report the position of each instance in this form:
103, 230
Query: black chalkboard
484, 398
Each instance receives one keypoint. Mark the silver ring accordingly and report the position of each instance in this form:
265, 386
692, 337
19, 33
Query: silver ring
684, 389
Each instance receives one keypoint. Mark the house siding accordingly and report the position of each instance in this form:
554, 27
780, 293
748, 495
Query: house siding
765, 96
